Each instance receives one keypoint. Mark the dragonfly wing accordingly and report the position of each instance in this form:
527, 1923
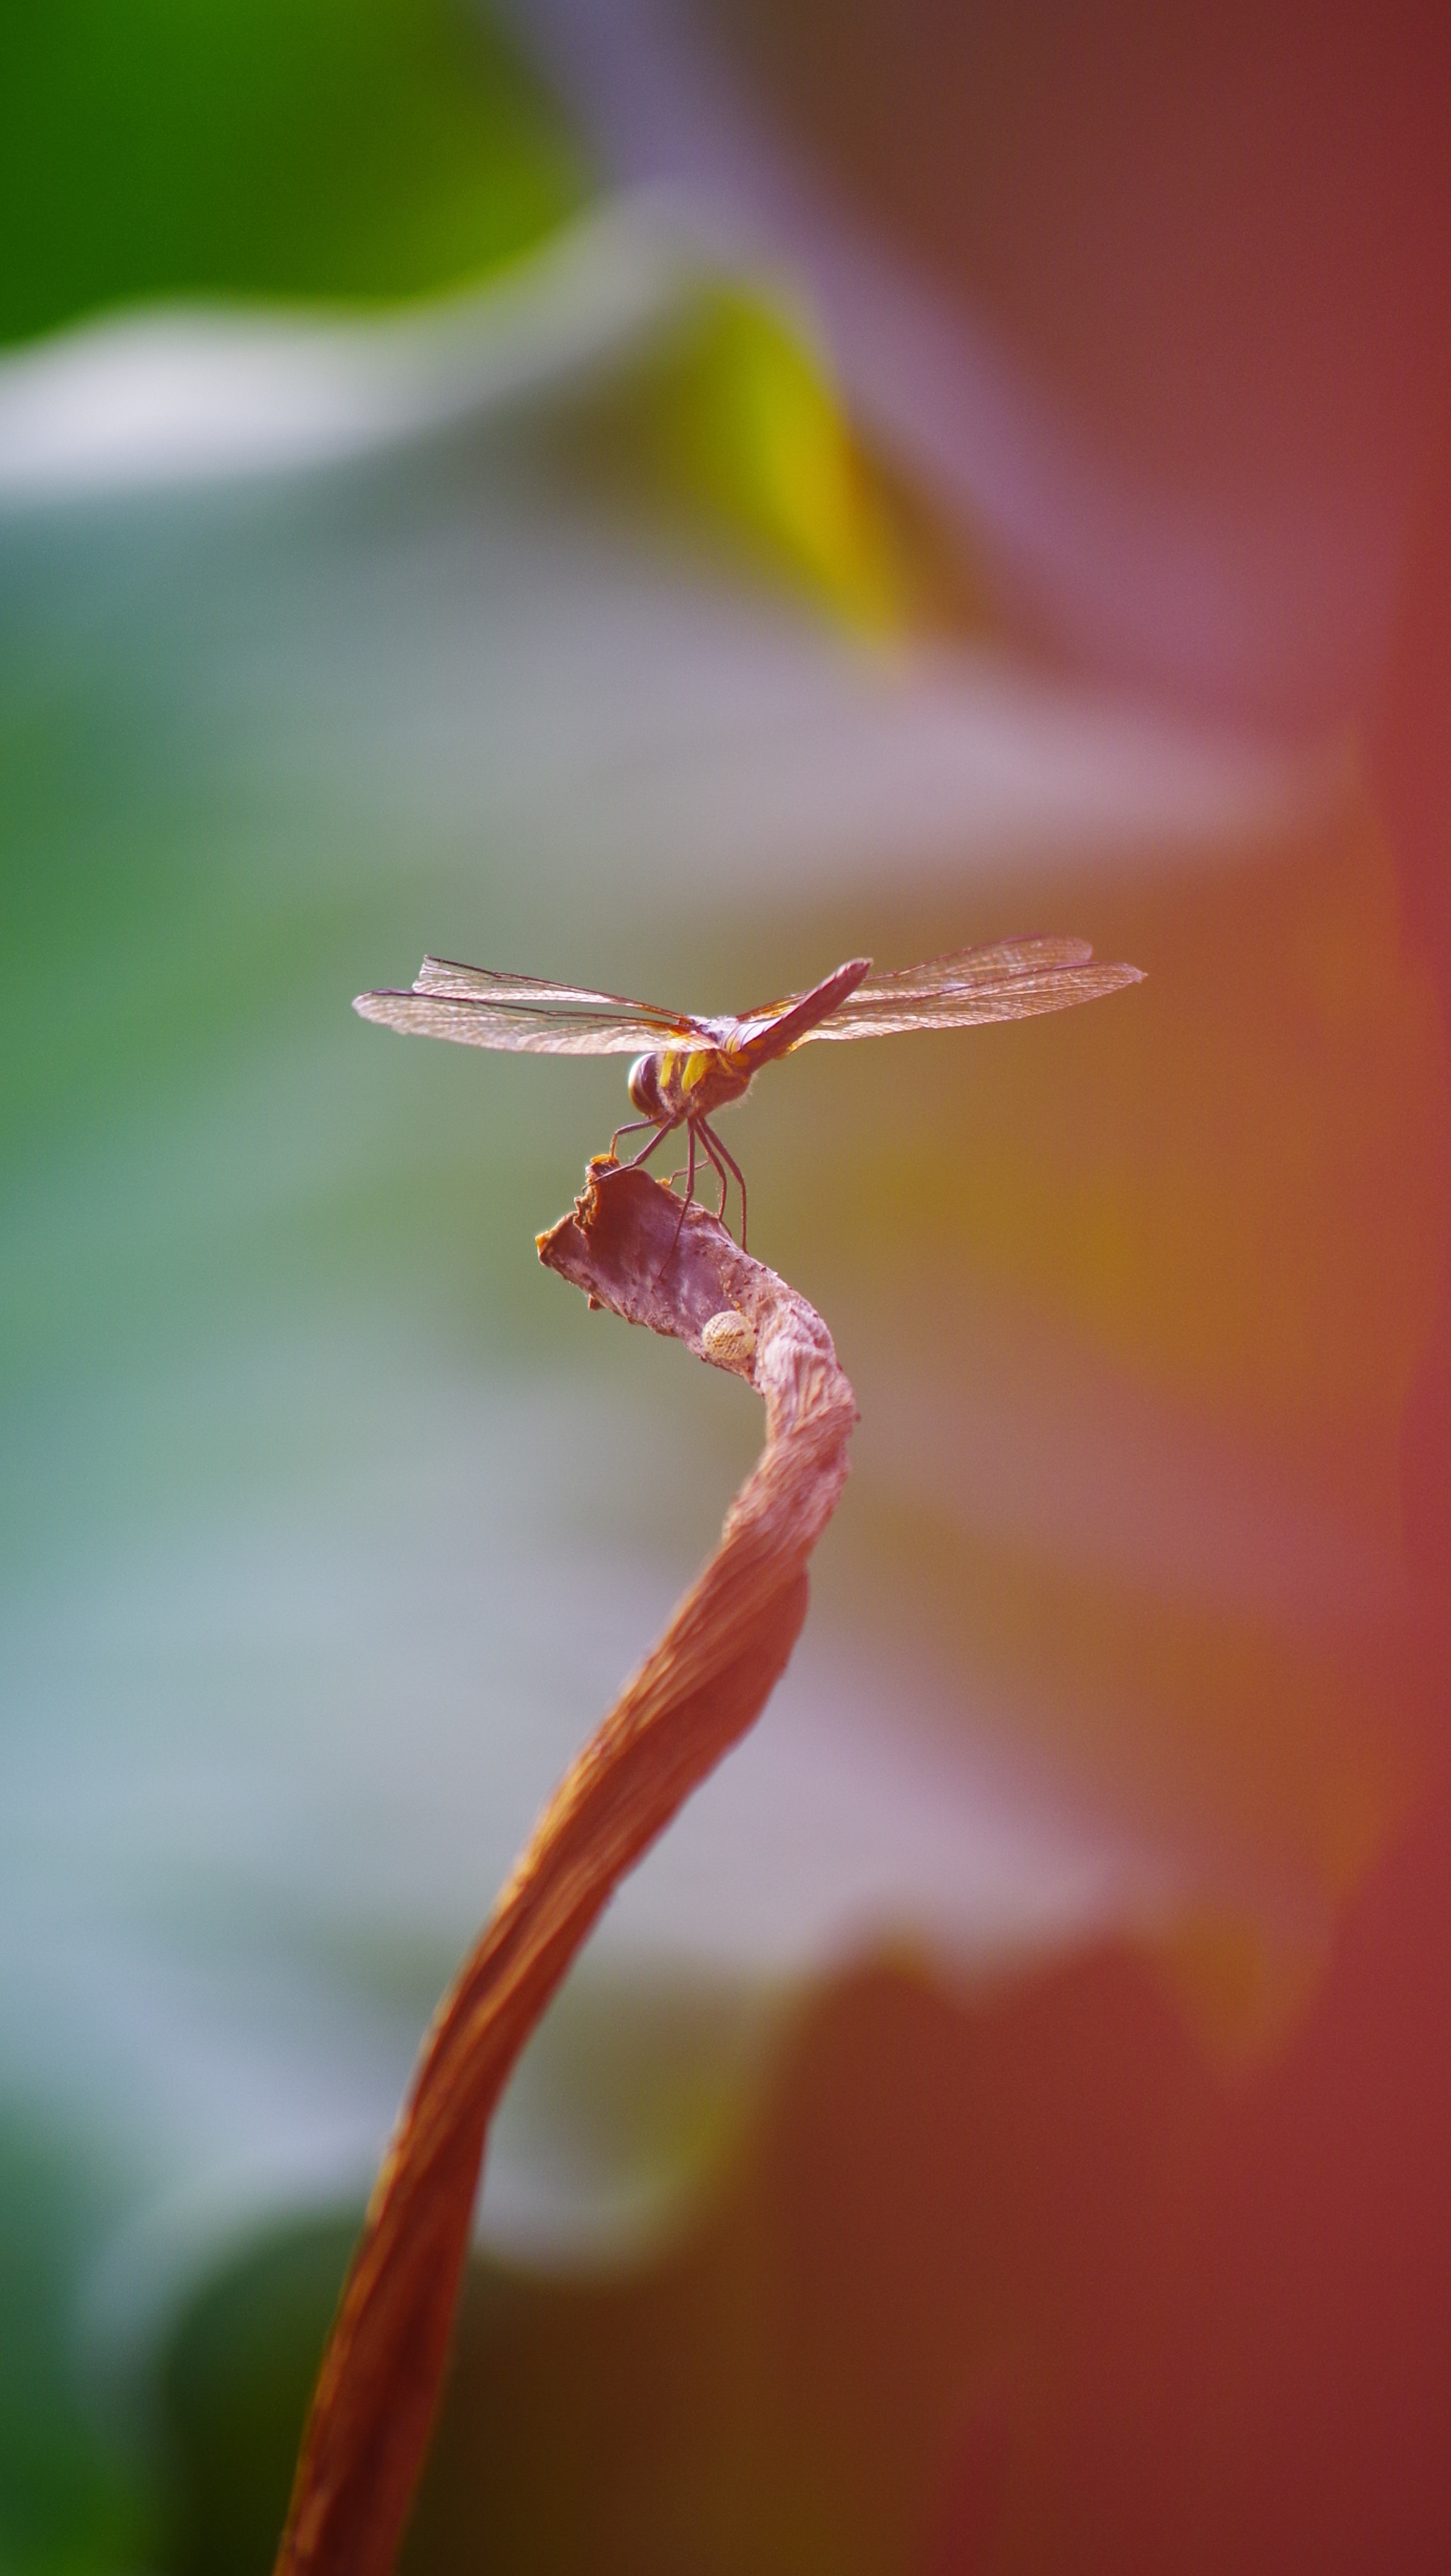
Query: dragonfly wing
475, 1006
965, 970
1022, 1000
491, 984
1013, 979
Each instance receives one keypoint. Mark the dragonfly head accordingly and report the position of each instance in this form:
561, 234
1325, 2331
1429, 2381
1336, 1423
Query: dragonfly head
644, 1087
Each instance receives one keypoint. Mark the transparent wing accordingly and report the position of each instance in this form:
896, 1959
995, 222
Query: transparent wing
970, 969
961, 970
1012, 980
479, 1006
532, 992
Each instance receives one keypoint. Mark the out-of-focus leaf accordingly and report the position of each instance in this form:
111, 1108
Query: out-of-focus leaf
1013, 2282
318, 148
730, 419
234, 2385
73, 2502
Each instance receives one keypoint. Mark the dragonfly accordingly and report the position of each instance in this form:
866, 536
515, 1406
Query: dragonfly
688, 1069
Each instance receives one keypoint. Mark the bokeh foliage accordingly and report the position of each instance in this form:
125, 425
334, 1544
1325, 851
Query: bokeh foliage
72, 2494
306, 148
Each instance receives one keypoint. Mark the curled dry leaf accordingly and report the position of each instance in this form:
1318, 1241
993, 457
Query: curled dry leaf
695, 1694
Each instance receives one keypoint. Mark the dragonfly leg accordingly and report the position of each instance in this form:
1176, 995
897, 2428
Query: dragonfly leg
684, 1204
721, 1173
646, 1151
709, 1134
631, 1127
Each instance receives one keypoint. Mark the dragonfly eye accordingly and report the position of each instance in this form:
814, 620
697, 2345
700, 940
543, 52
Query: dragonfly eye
645, 1085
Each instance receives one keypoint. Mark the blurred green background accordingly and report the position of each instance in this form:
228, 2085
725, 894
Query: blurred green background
248, 149
593, 634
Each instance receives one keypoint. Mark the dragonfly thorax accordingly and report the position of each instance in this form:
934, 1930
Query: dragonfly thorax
687, 1082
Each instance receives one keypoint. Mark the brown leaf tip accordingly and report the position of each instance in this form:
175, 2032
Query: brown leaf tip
631, 1245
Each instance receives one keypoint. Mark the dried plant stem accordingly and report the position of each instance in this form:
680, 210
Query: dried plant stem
695, 1694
